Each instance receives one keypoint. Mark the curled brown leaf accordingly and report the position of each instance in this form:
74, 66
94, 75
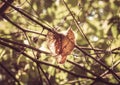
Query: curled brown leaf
61, 45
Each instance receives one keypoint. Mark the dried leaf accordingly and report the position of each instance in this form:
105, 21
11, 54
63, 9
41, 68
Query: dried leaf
61, 45
51, 42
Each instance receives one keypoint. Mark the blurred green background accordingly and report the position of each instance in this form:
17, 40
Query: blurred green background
99, 19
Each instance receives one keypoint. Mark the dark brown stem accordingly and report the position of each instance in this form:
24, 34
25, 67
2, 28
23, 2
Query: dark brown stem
102, 64
48, 64
1, 65
81, 31
43, 62
26, 15
24, 45
22, 29
5, 6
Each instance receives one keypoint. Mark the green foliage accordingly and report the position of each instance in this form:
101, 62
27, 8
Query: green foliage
100, 22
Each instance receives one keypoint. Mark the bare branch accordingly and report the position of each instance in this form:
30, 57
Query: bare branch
16, 80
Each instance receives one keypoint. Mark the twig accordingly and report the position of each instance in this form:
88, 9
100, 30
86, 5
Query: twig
105, 73
29, 41
102, 64
24, 30
116, 76
26, 15
82, 68
38, 65
79, 27
100, 50
46, 63
9, 73
24, 45
97, 76
5, 6
45, 75
43, 62
118, 48
44, 27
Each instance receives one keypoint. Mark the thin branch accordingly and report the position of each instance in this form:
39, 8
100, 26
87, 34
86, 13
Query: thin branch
10, 73
118, 48
45, 75
28, 46
5, 6
48, 64
12, 22
43, 62
79, 27
82, 68
24, 45
116, 76
100, 50
22, 29
26, 15
101, 63
107, 71
113, 66
44, 27
97, 76
29, 41
38, 65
